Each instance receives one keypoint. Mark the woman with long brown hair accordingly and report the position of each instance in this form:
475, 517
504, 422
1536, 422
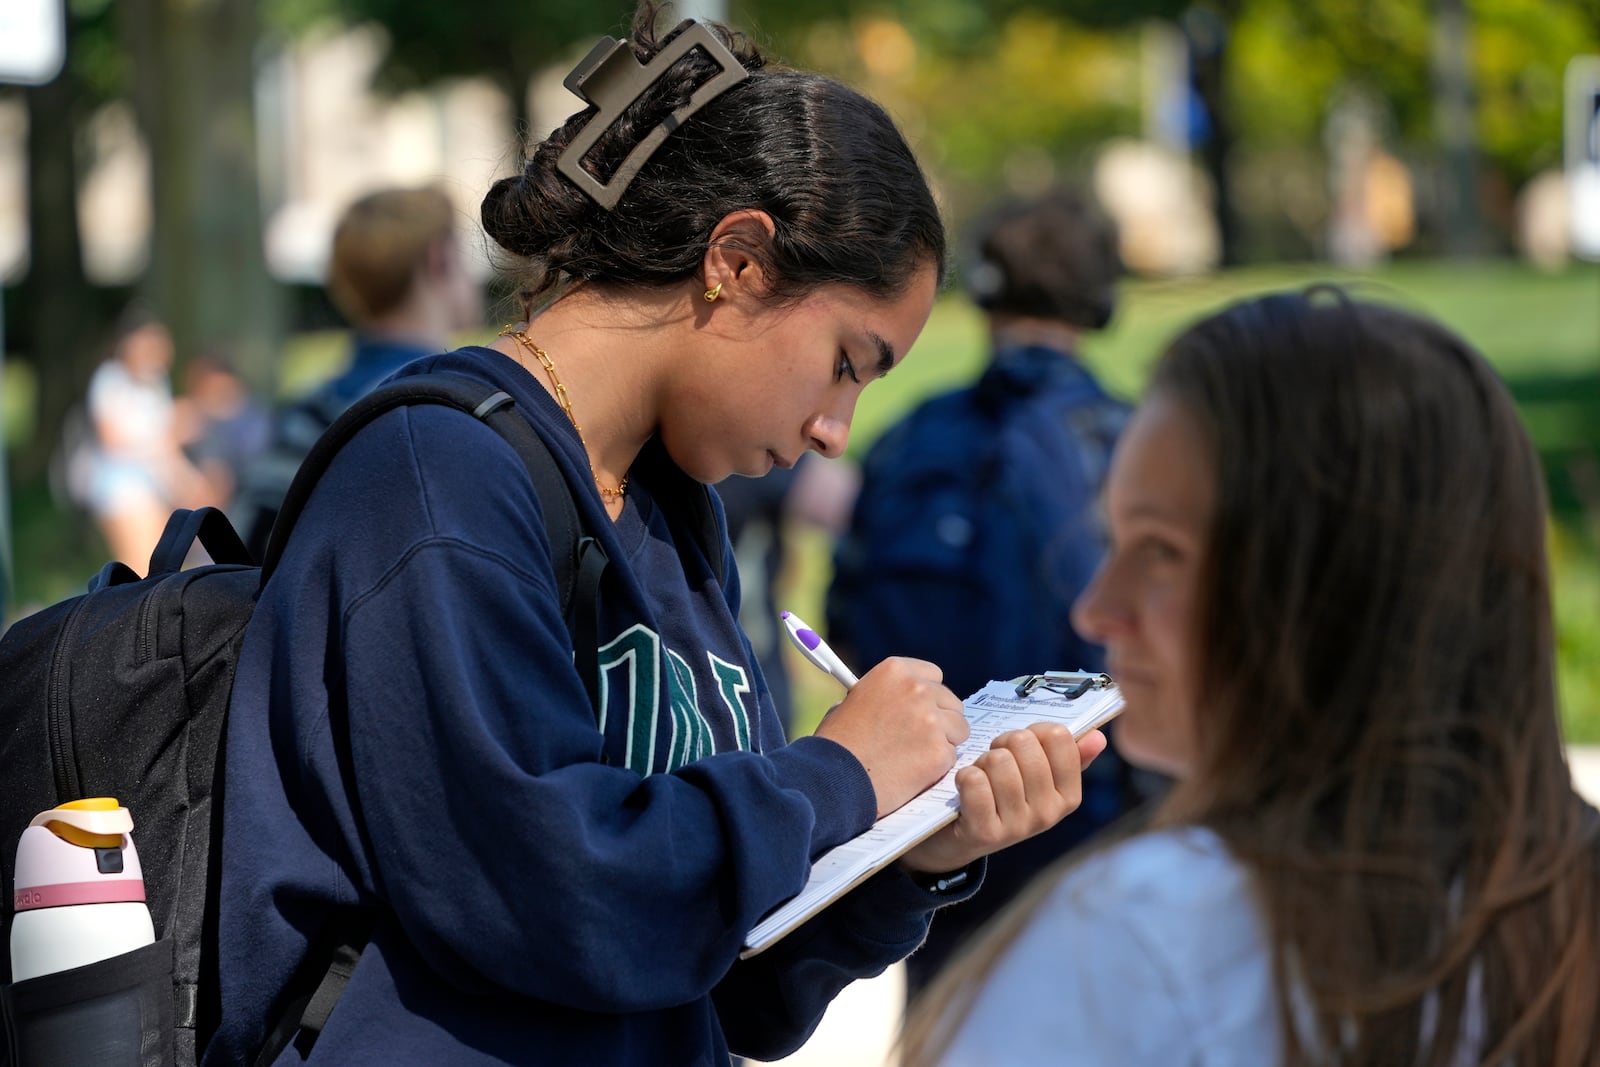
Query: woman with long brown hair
1327, 605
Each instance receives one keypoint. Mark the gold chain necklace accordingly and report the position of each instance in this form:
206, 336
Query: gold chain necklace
606, 492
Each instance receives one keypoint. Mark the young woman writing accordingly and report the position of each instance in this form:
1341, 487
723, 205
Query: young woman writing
717, 258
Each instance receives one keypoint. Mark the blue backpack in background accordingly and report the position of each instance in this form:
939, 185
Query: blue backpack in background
977, 524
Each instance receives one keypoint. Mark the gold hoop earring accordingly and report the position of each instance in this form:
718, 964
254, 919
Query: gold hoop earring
712, 293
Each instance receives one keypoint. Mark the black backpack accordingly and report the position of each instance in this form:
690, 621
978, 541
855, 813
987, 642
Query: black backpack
124, 690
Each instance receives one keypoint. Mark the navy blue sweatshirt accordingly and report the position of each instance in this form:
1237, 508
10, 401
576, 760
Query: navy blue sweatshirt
409, 736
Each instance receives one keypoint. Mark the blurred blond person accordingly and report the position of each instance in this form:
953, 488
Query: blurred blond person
398, 276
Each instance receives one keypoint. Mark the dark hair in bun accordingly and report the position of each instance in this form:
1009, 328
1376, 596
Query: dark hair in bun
849, 202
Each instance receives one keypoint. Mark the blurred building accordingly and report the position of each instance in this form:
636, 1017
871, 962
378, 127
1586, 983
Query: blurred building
13, 189
324, 139
1163, 206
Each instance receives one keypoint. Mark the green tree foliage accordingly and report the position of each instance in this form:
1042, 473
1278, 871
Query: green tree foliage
1519, 58
993, 95
507, 41
1293, 57
949, 27
1045, 95
1000, 93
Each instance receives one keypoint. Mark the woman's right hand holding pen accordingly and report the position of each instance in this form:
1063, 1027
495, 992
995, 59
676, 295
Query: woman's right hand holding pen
902, 724
1025, 783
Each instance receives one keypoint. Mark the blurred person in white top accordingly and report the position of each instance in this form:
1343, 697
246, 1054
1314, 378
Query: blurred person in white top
134, 471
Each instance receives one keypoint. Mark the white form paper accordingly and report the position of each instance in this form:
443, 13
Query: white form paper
992, 711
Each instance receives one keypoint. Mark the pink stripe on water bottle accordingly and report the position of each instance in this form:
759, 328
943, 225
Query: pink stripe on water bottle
109, 891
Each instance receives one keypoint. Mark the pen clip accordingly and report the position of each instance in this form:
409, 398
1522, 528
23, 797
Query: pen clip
1071, 686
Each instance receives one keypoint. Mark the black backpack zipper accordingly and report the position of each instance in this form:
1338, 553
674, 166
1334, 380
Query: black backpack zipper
63, 762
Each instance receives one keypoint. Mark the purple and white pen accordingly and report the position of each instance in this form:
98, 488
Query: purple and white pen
816, 649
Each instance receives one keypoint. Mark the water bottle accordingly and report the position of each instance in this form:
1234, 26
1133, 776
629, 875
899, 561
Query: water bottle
79, 895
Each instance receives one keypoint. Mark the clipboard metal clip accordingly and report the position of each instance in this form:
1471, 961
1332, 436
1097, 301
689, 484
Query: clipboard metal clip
1070, 686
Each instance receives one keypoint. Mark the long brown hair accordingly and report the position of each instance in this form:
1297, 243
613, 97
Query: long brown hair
1379, 743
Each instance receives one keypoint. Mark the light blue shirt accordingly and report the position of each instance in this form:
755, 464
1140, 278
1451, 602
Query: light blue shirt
1149, 953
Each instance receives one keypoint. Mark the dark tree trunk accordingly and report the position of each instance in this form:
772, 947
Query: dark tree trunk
1207, 31
1460, 210
194, 85
54, 309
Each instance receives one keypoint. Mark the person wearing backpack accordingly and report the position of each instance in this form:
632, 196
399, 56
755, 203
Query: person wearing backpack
978, 519
556, 845
398, 276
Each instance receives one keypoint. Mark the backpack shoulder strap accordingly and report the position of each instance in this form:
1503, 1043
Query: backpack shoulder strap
579, 559
316, 989
569, 548
579, 564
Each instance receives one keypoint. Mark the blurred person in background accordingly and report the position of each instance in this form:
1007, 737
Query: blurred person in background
129, 469
1327, 603
222, 425
979, 521
398, 275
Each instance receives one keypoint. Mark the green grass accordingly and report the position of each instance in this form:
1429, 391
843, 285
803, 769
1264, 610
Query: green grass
1532, 325
310, 359
1575, 568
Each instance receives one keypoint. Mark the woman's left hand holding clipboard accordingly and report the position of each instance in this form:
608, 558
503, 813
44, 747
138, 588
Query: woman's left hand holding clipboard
1028, 781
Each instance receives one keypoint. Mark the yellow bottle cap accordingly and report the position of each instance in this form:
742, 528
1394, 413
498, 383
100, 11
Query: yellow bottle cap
93, 822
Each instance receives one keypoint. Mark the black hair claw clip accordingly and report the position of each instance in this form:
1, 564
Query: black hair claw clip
611, 79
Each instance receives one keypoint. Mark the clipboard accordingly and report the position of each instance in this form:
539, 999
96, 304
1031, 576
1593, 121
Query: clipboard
1079, 700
